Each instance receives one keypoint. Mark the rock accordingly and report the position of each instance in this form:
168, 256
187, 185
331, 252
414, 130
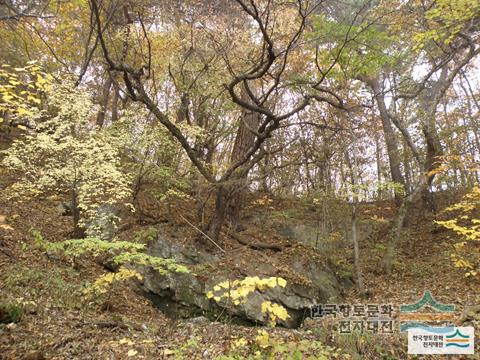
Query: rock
187, 291
470, 315
104, 224
108, 263
64, 209
199, 320
305, 234
161, 247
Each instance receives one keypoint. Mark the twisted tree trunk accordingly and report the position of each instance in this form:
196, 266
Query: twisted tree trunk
230, 196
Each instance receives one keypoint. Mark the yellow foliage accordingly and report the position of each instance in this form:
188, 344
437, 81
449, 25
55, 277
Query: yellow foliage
263, 339
466, 254
20, 90
126, 341
274, 312
132, 352
6, 227
103, 283
238, 343
263, 201
65, 156
446, 19
237, 292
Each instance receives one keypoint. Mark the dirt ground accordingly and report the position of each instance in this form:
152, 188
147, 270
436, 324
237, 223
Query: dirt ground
59, 322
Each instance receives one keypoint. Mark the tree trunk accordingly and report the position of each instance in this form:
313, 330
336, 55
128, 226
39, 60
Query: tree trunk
243, 142
391, 141
407, 167
434, 151
429, 103
217, 221
230, 196
115, 103
379, 166
356, 249
104, 101
78, 232
398, 223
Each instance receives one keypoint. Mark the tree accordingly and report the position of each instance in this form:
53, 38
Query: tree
63, 154
15, 10
267, 66
21, 89
450, 49
444, 44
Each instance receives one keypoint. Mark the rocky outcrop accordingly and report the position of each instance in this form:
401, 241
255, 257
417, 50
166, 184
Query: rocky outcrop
103, 224
316, 282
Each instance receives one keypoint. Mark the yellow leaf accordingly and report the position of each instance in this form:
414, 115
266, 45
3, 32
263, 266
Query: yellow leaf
6, 227
132, 352
262, 339
239, 343
126, 341
22, 111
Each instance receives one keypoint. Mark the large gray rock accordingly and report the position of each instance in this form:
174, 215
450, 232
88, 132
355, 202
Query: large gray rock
64, 208
319, 285
104, 224
310, 236
305, 234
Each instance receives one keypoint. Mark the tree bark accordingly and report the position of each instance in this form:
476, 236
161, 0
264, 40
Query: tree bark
408, 169
230, 196
398, 223
356, 247
393, 150
217, 221
244, 140
104, 101
429, 100
115, 99
78, 232
379, 195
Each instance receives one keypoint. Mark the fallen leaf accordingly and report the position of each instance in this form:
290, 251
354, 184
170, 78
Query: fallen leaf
6, 227
132, 352
168, 352
125, 341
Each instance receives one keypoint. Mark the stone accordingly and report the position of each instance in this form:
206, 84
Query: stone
188, 290
64, 209
199, 320
104, 223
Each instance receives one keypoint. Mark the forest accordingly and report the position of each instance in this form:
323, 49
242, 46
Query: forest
239, 179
